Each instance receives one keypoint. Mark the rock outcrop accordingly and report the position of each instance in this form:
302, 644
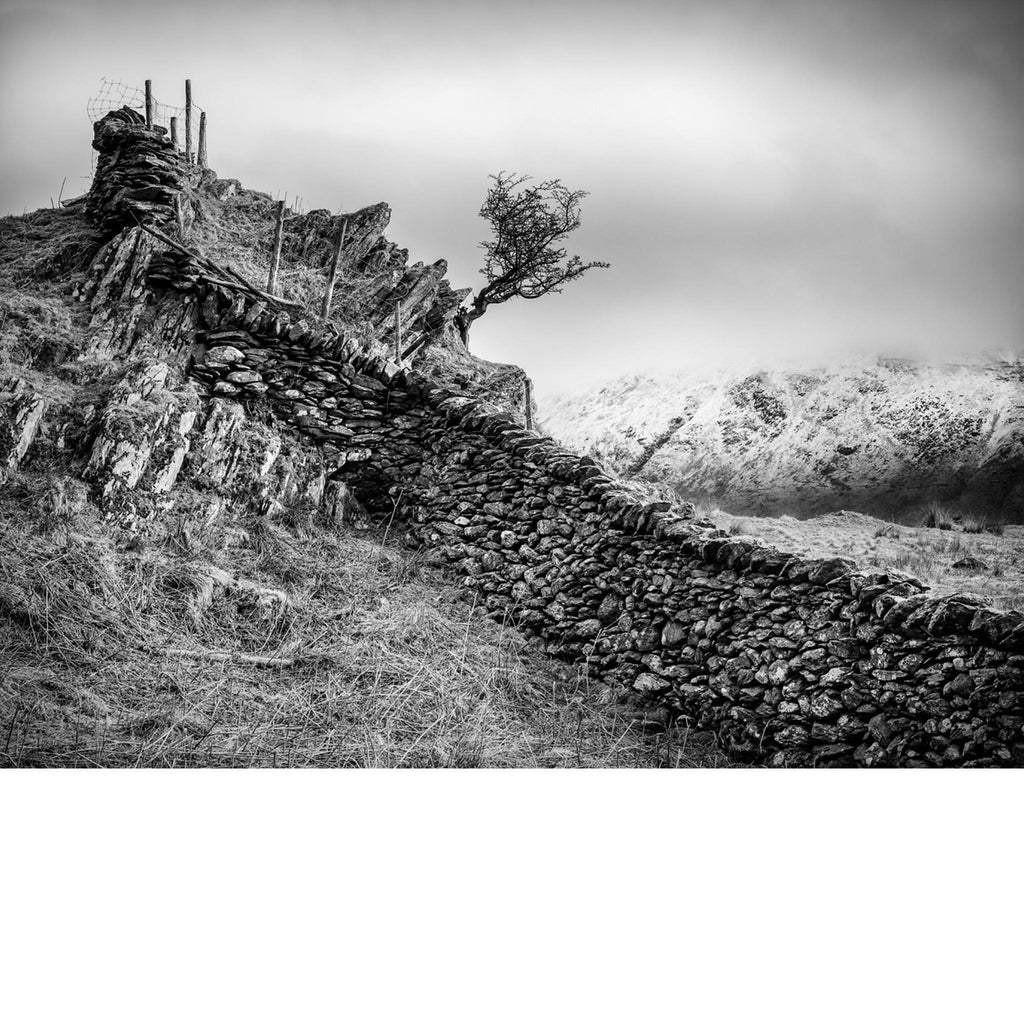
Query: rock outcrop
142, 441
21, 410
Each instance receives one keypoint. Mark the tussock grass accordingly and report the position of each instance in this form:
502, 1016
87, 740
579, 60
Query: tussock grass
938, 517
253, 642
942, 518
981, 524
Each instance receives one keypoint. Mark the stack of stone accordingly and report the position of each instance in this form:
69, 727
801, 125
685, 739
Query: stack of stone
138, 173
173, 269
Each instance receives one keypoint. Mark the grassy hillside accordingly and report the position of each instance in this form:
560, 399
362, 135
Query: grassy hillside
252, 642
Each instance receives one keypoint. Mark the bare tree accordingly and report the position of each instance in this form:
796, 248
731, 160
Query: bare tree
525, 257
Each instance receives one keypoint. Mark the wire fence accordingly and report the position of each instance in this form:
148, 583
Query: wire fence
114, 95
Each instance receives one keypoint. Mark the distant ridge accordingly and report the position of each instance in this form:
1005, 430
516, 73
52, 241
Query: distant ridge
886, 437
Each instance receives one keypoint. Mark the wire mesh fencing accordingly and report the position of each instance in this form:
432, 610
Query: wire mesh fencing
114, 95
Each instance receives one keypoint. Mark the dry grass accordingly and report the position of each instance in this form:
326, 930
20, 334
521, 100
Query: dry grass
941, 517
994, 557
41, 254
46, 249
289, 643
938, 517
238, 232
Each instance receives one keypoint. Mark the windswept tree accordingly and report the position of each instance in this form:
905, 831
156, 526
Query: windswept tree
525, 258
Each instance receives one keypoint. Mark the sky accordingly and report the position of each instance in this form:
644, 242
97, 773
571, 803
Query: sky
773, 181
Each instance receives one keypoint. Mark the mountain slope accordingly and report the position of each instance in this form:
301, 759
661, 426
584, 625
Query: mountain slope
885, 438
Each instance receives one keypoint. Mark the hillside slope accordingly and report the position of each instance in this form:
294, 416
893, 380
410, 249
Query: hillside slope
237, 622
884, 438
283, 641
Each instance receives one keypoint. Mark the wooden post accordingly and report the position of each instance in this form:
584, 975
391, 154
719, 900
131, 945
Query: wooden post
332, 276
528, 403
149, 102
275, 257
174, 132
202, 139
188, 120
179, 215
398, 332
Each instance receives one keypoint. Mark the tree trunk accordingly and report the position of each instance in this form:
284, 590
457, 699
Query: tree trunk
464, 320
462, 323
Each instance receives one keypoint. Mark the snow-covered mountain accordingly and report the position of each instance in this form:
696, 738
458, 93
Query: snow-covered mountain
886, 437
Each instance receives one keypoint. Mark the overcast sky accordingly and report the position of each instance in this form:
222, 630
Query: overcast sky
770, 180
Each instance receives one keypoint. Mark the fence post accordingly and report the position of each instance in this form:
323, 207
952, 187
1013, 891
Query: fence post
179, 215
528, 402
398, 332
275, 256
174, 132
149, 102
333, 274
188, 120
202, 139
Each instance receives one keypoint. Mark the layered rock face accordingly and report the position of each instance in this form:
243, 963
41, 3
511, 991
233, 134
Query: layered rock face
886, 438
21, 410
790, 662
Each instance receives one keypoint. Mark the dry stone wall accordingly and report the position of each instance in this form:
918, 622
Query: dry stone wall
789, 661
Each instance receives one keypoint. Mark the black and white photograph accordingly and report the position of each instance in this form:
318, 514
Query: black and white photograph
308, 462
514, 386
